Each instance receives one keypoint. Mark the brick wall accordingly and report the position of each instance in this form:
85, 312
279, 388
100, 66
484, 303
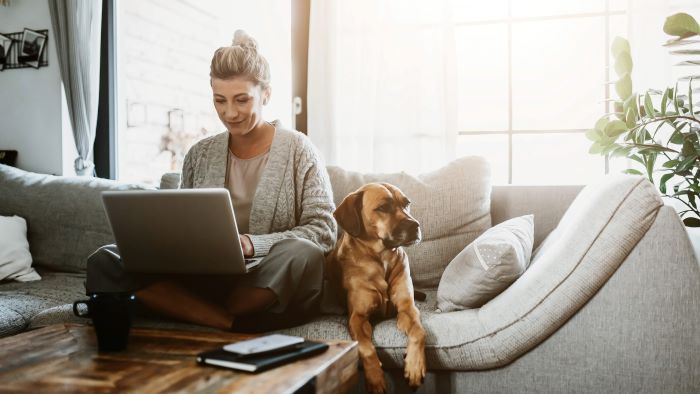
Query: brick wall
165, 103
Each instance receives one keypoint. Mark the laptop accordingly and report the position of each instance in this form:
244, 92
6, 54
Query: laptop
180, 231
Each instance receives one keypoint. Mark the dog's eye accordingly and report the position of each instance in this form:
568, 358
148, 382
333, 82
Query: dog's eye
384, 208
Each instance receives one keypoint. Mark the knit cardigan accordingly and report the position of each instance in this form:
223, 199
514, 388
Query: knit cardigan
293, 198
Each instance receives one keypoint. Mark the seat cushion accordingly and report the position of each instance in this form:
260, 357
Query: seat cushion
65, 218
21, 302
452, 205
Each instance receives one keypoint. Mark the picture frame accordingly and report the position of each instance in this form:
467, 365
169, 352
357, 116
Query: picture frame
32, 47
6, 44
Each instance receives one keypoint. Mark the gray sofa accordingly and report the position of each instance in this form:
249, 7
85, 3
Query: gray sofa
610, 303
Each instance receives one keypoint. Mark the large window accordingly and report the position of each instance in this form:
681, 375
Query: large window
164, 49
532, 80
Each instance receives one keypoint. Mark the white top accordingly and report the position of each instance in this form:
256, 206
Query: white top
242, 177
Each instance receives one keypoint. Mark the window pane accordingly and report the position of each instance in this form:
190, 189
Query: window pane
492, 147
554, 159
529, 8
558, 73
482, 73
164, 95
466, 11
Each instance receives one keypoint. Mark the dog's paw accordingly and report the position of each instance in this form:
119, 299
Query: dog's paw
414, 370
375, 381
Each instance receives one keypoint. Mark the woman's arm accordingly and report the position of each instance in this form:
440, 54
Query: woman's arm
316, 222
187, 170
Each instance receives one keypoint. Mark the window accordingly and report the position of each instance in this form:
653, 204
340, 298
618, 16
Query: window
531, 81
164, 49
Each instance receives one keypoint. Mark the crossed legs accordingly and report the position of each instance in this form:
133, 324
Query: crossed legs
175, 301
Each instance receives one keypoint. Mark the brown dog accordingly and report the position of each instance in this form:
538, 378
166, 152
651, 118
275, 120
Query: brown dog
373, 268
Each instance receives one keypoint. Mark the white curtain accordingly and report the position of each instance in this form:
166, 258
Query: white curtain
382, 93
76, 29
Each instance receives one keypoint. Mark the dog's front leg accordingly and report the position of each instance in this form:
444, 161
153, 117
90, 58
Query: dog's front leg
408, 321
361, 331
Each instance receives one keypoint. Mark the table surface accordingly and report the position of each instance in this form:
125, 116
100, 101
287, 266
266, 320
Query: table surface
64, 358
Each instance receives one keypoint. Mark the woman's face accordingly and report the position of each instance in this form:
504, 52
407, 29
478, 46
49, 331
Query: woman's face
238, 102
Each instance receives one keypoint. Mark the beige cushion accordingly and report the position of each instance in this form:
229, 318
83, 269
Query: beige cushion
452, 205
487, 266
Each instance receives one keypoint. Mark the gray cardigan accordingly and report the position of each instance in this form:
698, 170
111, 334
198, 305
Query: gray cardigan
293, 198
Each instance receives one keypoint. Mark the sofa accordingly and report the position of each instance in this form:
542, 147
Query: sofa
610, 302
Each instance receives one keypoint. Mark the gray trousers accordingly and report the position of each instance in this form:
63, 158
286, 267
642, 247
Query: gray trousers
293, 270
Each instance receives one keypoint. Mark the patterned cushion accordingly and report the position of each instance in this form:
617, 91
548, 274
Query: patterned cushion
65, 218
452, 205
20, 302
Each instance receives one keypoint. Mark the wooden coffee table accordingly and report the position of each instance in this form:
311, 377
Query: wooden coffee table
64, 358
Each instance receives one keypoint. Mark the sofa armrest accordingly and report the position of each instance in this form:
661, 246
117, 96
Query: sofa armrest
547, 203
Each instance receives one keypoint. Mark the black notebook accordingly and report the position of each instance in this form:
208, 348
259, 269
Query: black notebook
261, 361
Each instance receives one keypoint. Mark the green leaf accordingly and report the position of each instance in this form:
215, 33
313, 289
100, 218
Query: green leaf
615, 128
686, 163
664, 101
596, 148
593, 135
632, 171
631, 118
670, 164
623, 87
691, 222
662, 182
648, 106
619, 110
637, 159
600, 124
620, 45
621, 151
690, 96
623, 64
681, 25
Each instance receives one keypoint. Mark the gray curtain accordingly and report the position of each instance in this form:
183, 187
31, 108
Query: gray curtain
76, 30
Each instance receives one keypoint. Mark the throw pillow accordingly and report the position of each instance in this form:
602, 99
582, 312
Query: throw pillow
487, 266
15, 259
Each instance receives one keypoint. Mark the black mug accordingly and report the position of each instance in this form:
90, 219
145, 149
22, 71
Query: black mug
111, 315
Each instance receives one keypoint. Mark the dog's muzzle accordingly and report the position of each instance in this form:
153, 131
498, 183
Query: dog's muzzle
406, 233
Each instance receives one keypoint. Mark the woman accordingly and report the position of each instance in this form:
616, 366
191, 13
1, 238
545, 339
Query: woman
283, 205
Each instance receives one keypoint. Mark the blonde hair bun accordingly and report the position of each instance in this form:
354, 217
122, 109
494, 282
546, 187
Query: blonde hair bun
243, 39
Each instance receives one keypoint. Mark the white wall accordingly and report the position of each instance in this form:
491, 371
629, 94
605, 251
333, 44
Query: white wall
30, 99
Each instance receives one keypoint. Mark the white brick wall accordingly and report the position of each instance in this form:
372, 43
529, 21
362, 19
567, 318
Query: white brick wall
165, 49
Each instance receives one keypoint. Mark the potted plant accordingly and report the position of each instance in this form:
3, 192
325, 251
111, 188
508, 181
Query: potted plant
659, 130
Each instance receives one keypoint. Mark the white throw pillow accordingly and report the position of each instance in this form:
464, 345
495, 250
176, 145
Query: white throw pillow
487, 266
15, 259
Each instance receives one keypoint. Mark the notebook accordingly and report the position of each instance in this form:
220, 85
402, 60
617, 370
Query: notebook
261, 361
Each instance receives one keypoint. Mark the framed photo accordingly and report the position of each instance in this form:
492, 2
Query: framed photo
31, 47
5, 48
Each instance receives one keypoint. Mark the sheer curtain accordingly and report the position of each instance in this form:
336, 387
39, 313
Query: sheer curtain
76, 30
381, 91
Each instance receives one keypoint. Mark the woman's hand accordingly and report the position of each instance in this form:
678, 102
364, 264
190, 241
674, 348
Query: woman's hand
247, 246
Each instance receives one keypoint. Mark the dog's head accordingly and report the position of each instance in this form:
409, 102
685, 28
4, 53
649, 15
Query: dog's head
379, 211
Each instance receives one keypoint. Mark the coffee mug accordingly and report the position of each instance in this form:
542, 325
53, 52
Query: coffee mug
111, 315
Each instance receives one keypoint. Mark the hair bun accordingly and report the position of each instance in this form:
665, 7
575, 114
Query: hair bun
243, 39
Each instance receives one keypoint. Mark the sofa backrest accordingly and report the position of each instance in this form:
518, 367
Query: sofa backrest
65, 218
547, 203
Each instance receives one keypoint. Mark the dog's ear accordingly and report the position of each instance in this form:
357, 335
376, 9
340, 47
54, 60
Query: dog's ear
349, 214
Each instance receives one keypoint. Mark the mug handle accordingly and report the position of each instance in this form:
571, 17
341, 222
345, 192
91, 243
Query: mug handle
75, 308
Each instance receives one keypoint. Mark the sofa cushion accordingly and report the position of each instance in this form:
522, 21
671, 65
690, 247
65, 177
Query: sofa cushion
65, 218
15, 259
487, 266
452, 205
21, 302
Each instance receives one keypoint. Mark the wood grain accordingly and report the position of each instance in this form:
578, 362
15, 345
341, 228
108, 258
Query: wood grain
64, 358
